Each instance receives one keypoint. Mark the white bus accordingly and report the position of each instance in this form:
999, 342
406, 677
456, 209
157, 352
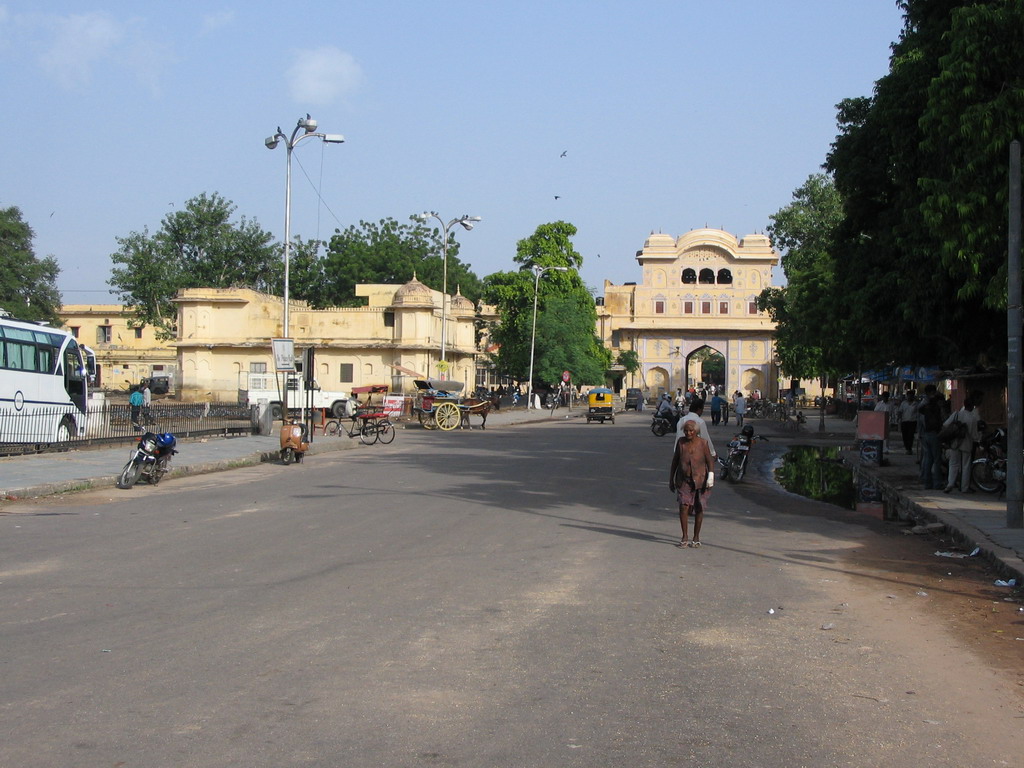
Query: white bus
44, 383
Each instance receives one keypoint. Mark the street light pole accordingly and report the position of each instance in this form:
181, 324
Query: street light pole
467, 223
308, 126
537, 271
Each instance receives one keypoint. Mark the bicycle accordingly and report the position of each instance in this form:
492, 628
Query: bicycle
370, 428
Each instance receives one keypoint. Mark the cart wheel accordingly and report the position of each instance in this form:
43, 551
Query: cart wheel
386, 432
427, 420
368, 433
331, 428
447, 416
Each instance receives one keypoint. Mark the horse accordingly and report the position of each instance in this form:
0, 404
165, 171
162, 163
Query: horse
478, 407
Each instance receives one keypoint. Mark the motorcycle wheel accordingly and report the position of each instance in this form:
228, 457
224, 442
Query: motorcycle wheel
129, 475
981, 474
738, 468
287, 455
723, 470
658, 428
158, 471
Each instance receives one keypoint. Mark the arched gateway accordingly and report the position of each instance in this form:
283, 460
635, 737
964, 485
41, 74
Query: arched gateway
697, 297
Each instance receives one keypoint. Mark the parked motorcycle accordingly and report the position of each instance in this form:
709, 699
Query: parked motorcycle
150, 459
294, 441
989, 470
734, 464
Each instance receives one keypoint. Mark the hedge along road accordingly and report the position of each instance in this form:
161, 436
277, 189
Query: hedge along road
507, 597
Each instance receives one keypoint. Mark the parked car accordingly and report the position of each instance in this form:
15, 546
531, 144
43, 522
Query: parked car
634, 397
158, 385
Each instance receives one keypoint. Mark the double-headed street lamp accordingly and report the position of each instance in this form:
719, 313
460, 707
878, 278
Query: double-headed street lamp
308, 127
537, 271
467, 222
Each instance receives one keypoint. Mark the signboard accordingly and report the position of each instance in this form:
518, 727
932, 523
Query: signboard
566, 376
284, 354
393, 405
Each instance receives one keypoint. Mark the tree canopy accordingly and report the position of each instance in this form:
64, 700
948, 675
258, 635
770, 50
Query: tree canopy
28, 285
921, 167
566, 316
197, 247
389, 252
804, 310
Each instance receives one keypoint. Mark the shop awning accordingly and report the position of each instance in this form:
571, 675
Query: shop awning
406, 371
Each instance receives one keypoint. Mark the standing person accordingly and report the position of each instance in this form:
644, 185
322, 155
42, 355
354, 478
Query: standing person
688, 477
929, 422
884, 406
907, 414
739, 407
961, 450
696, 415
135, 400
717, 401
147, 400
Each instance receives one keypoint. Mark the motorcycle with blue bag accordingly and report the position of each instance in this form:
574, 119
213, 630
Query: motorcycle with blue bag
734, 465
150, 459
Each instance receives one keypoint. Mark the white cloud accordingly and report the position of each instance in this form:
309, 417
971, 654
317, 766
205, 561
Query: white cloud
79, 42
214, 21
321, 75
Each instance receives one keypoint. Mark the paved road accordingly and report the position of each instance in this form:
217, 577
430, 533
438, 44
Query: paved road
500, 598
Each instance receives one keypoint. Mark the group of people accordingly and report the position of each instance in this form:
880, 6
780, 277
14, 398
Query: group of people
139, 402
925, 417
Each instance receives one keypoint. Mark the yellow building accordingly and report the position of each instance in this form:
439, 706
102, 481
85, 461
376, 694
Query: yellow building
123, 354
696, 300
224, 339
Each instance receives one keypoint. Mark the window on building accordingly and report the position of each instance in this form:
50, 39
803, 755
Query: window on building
616, 338
752, 308
74, 330
723, 307
707, 276
659, 306
257, 367
705, 307
689, 276
104, 334
724, 277
389, 319
687, 307
346, 373
138, 333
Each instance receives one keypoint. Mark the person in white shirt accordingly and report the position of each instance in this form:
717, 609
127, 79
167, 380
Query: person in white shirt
739, 407
696, 409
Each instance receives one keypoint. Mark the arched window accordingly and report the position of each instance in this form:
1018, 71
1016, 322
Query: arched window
724, 277
689, 276
707, 276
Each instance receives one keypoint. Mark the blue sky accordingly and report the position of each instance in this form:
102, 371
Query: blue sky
673, 116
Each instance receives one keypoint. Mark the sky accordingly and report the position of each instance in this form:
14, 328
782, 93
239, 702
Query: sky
621, 118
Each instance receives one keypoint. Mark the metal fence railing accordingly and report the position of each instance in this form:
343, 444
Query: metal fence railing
112, 423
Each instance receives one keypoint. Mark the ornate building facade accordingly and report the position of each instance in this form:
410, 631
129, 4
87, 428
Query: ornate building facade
696, 301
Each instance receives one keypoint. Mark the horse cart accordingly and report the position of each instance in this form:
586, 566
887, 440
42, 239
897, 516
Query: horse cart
439, 405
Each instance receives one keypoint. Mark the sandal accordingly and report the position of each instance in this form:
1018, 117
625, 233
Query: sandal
683, 543
695, 544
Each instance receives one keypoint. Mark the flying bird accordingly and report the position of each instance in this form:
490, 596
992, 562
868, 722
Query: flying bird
557, 196
564, 151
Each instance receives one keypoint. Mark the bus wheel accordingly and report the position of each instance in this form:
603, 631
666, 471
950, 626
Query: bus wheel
65, 430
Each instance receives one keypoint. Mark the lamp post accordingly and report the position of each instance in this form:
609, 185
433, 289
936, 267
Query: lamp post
467, 223
308, 127
537, 271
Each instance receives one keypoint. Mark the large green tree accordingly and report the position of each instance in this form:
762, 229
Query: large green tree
566, 316
197, 247
28, 285
807, 327
390, 252
921, 167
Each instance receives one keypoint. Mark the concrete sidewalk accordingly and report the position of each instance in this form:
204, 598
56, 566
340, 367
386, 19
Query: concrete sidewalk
978, 520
